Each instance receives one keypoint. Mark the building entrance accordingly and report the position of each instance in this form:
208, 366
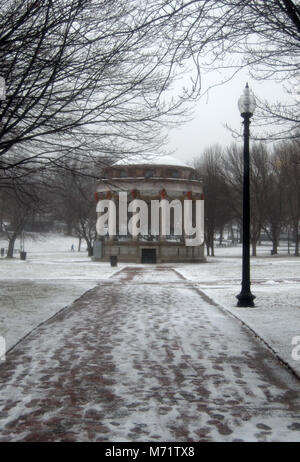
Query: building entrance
149, 256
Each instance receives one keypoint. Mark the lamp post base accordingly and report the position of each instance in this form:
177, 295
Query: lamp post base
245, 299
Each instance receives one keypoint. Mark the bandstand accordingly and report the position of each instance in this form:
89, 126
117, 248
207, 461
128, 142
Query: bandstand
160, 178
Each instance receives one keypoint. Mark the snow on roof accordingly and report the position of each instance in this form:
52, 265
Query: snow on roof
154, 160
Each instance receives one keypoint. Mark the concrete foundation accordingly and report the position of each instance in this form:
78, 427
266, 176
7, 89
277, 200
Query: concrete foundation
161, 252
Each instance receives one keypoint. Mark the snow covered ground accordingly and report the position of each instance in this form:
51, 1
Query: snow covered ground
52, 277
49, 279
276, 285
146, 357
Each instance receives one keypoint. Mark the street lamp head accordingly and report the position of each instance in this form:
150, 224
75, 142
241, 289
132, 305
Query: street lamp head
2, 89
247, 102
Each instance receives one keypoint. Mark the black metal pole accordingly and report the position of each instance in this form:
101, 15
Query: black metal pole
245, 298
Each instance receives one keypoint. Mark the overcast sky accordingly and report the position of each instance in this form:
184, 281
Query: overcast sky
215, 110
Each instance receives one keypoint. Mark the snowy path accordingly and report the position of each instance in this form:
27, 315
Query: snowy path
145, 357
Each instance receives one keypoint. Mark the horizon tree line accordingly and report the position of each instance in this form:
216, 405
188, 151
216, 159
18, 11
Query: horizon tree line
66, 198
274, 191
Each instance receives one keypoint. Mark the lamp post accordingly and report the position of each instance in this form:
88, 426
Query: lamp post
246, 106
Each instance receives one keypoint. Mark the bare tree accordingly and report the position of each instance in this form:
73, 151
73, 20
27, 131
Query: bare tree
73, 200
259, 188
274, 190
232, 171
275, 201
217, 211
262, 35
95, 75
287, 156
90, 76
22, 202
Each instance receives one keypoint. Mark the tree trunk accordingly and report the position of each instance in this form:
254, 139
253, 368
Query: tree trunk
296, 237
232, 234
240, 240
207, 250
11, 245
221, 236
296, 244
275, 247
275, 236
212, 246
90, 250
254, 245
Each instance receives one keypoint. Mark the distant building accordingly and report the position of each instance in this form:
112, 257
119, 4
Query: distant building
161, 178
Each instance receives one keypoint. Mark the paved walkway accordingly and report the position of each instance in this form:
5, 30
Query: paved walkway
145, 357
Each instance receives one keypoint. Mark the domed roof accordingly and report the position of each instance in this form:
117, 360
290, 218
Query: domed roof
151, 160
